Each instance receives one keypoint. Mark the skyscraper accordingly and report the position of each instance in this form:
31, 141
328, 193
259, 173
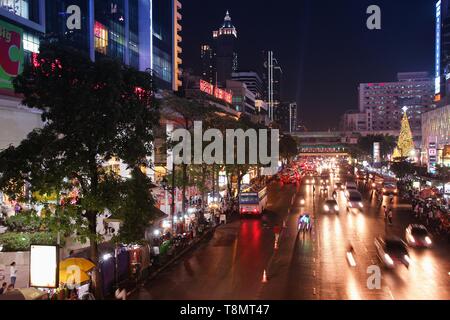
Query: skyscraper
272, 79
207, 56
226, 58
121, 29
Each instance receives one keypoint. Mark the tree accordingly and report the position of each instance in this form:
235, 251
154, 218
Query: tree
365, 145
93, 112
184, 112
402, 168
288, 147
405, 142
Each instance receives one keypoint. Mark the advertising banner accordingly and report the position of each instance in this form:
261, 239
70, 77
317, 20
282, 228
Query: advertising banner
11, 53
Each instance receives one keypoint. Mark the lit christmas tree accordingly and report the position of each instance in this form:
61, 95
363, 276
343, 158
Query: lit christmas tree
405, 144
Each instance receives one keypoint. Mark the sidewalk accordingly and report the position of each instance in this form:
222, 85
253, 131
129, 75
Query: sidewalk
167, 261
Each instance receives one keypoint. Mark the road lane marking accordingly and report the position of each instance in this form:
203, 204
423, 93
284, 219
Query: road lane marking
314, 274
390, 293
314, 291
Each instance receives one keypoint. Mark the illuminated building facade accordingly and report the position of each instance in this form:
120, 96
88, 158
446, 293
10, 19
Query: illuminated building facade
144, 34
383, 103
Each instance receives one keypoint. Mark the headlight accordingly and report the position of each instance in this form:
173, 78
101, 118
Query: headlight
374, 185
388, 259
411, 239
327, 208
407, 259
350, 205
428, 240
302, 201
336, 208
395, 191
384, 190
361, 205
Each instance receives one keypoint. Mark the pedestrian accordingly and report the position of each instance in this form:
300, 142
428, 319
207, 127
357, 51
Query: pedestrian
13, 273
385, 212
390, 216
3, 288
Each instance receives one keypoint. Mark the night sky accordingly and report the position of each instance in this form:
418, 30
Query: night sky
323, 46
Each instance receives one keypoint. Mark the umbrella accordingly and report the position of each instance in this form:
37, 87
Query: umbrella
24, 294
67, 276
83, 264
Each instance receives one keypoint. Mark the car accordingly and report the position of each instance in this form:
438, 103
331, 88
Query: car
354, 201
302, 201
389, 188
310, 180
418, 236
331, 206
338, 186
392, 252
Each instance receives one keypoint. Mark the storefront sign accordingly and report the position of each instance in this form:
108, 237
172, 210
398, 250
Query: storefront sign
432, 155
220, 94
11, 53
376, 152
44, 271
447, 189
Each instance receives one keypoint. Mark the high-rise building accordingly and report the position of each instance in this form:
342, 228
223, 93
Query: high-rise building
144, 34
121, 29
226, 57
252, 80
272, 81
383, 103
286, 116
22, 23
207, 56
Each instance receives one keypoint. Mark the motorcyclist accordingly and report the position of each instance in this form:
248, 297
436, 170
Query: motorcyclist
303, 221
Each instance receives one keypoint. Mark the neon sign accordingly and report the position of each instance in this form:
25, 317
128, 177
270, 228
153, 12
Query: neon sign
206, 87
438, 49
220, 94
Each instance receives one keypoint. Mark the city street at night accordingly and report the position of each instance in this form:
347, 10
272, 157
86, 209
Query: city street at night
304, 267
225, 159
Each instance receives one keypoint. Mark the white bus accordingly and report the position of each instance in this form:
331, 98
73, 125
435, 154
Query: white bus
253, 202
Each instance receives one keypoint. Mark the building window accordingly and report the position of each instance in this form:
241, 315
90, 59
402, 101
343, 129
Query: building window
18, 7
30, 42
101, 38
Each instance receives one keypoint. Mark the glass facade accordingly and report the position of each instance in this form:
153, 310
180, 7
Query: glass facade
56, 20
27, 9
163, 42
111, 14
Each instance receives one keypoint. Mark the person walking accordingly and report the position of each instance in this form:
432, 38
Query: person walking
13, 274
390, 216
385, 213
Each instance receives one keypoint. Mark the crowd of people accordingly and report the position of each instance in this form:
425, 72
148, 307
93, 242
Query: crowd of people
432, 213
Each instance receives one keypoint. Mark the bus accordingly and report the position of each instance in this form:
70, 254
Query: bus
253, 201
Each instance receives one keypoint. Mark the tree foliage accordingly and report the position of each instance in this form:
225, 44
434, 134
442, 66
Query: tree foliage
93, 112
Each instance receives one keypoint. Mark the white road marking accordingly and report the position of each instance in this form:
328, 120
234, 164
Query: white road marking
390, 293
314, 291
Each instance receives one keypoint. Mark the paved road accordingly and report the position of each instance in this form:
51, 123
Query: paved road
307, 267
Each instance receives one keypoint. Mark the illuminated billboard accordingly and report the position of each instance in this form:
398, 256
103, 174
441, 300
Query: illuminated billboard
44, 267
220, 94
11, 51
438, 49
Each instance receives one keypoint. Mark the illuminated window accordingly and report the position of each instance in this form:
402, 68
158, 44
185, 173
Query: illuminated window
30, 42
17, 7
101, 38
